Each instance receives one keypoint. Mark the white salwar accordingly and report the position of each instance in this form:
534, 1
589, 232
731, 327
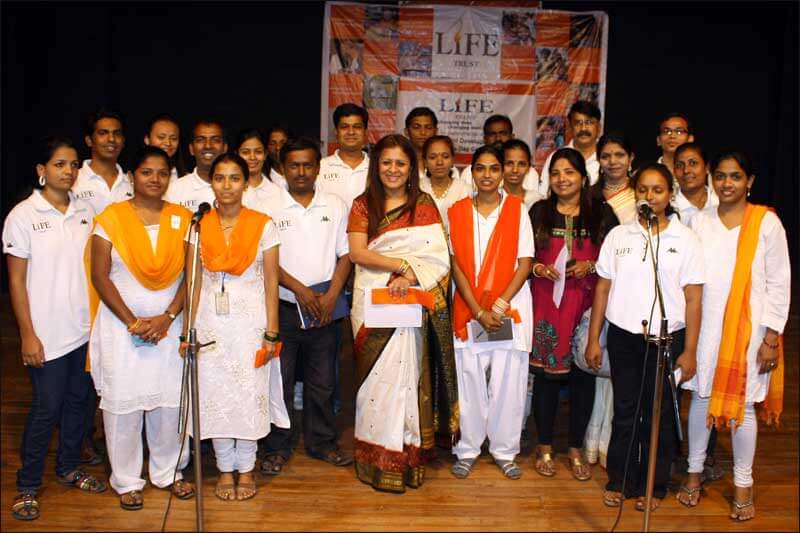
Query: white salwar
458, 189
387, 405
495, 411
138, 385
769, 308
237, 400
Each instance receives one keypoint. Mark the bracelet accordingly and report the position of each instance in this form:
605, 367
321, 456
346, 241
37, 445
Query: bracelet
479, 315
273, 337
592, 269
768, 345
535, 275
135, 325
404, 266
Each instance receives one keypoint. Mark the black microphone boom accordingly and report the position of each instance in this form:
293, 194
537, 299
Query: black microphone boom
644, 210
202, 209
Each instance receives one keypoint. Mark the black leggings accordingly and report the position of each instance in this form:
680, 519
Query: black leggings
545, 404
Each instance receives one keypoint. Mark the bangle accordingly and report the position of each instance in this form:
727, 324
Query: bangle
404, 266
768, 345
271, 336
134, 325
172, 316
479, 314
535, 275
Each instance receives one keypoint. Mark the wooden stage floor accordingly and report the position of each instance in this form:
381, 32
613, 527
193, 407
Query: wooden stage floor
312, 495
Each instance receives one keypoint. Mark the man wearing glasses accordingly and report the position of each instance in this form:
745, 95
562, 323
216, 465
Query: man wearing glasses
584, 121
673, 131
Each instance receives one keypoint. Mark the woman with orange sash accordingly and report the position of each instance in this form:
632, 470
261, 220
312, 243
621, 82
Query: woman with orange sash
397, 240
492, 243
236, 298
137, 262
745, 308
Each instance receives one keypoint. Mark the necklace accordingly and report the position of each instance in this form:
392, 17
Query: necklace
439, 196
615, 188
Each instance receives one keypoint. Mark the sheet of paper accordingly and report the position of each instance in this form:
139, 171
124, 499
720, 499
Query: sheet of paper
561, 266
390, 315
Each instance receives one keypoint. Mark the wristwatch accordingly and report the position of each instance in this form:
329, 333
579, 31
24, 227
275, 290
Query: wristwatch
172, 316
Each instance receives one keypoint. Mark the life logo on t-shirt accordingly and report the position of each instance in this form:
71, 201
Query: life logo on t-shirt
41, 227
622, 252
84, 195
284, 224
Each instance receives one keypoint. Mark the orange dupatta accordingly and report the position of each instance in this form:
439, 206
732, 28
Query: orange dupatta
499, 263
236, 257
729, 390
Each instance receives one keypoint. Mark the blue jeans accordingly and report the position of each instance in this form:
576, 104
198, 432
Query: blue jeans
60, 391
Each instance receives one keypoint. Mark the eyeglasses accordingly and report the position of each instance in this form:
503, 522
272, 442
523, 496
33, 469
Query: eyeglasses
669, 132
587, 122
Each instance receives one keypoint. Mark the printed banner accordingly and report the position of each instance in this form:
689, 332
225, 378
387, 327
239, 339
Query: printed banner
466, 63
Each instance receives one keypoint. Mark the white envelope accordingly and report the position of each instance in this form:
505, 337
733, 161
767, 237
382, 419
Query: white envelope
390, 315
561, 266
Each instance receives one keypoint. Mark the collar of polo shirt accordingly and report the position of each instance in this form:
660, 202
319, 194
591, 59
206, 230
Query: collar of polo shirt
41, 204
672, 228
198, 182
317, 201
339, 161
92, 175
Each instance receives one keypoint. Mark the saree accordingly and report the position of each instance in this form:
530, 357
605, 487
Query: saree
399, 370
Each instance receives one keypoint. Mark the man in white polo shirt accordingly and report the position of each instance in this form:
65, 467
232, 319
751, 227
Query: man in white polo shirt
101, 180
312, 225
345, 172
498, 129
206, 143
584, 120
277, 136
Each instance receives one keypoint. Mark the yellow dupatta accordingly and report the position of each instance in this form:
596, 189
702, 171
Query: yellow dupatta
729, 390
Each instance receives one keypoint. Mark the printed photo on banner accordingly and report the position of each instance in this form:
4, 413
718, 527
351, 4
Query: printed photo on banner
380, 23
380, 92
519, 27
551, 64
415, 60
549, 137
346, 56
583, 32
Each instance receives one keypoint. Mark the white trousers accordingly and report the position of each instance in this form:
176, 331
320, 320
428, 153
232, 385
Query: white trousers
495, 411
235, 454
598, 432
743, 440
125, 450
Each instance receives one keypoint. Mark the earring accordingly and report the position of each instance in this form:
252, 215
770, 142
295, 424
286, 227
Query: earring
408, 184
216, 204
428, 172
41, 180
748, 192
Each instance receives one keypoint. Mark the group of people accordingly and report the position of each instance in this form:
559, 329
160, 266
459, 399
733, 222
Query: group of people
473, 297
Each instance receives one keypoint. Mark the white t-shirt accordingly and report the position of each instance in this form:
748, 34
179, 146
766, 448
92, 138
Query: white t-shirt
312, 238
190, 191
53, 243
337, 177
592, 168
277, 178
259, 198
93, 188
626, 259
687, 210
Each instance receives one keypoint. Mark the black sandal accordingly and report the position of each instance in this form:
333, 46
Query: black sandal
83, 481
26, 506
273, 464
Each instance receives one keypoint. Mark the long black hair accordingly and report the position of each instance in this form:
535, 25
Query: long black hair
544, 213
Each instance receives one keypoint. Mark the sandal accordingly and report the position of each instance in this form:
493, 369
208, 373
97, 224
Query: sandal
510, 469
738, 510
225, 491
655, 503
712, 470
690, 500
462, 468
334, 457
26, 506
246, 489
580, 470
83, 481
544, 465
135, 500
612, 498
273, 464
182, 490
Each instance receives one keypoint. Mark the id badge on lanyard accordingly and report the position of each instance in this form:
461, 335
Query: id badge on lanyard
221, 301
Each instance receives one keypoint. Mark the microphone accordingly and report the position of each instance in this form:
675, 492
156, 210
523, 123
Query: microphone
202, 209
644, 210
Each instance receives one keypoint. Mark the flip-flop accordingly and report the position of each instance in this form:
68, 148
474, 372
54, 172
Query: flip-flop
510, 469
250, 487
690, 492
462, 468
738, 507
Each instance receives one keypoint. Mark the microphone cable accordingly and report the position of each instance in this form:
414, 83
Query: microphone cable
183, 419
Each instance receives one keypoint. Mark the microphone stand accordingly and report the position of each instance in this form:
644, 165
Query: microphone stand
663, 359
191, 354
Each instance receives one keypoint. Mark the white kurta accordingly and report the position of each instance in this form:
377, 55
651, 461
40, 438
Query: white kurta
457, 190
130, 378
769, 295
237, 400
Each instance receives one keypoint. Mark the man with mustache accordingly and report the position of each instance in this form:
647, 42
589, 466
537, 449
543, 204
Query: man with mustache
673, 130
206, 143
497, 129
101, 180
584, 120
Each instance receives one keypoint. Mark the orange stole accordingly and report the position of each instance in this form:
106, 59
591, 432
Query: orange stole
499, 263
236, 257
729, 390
